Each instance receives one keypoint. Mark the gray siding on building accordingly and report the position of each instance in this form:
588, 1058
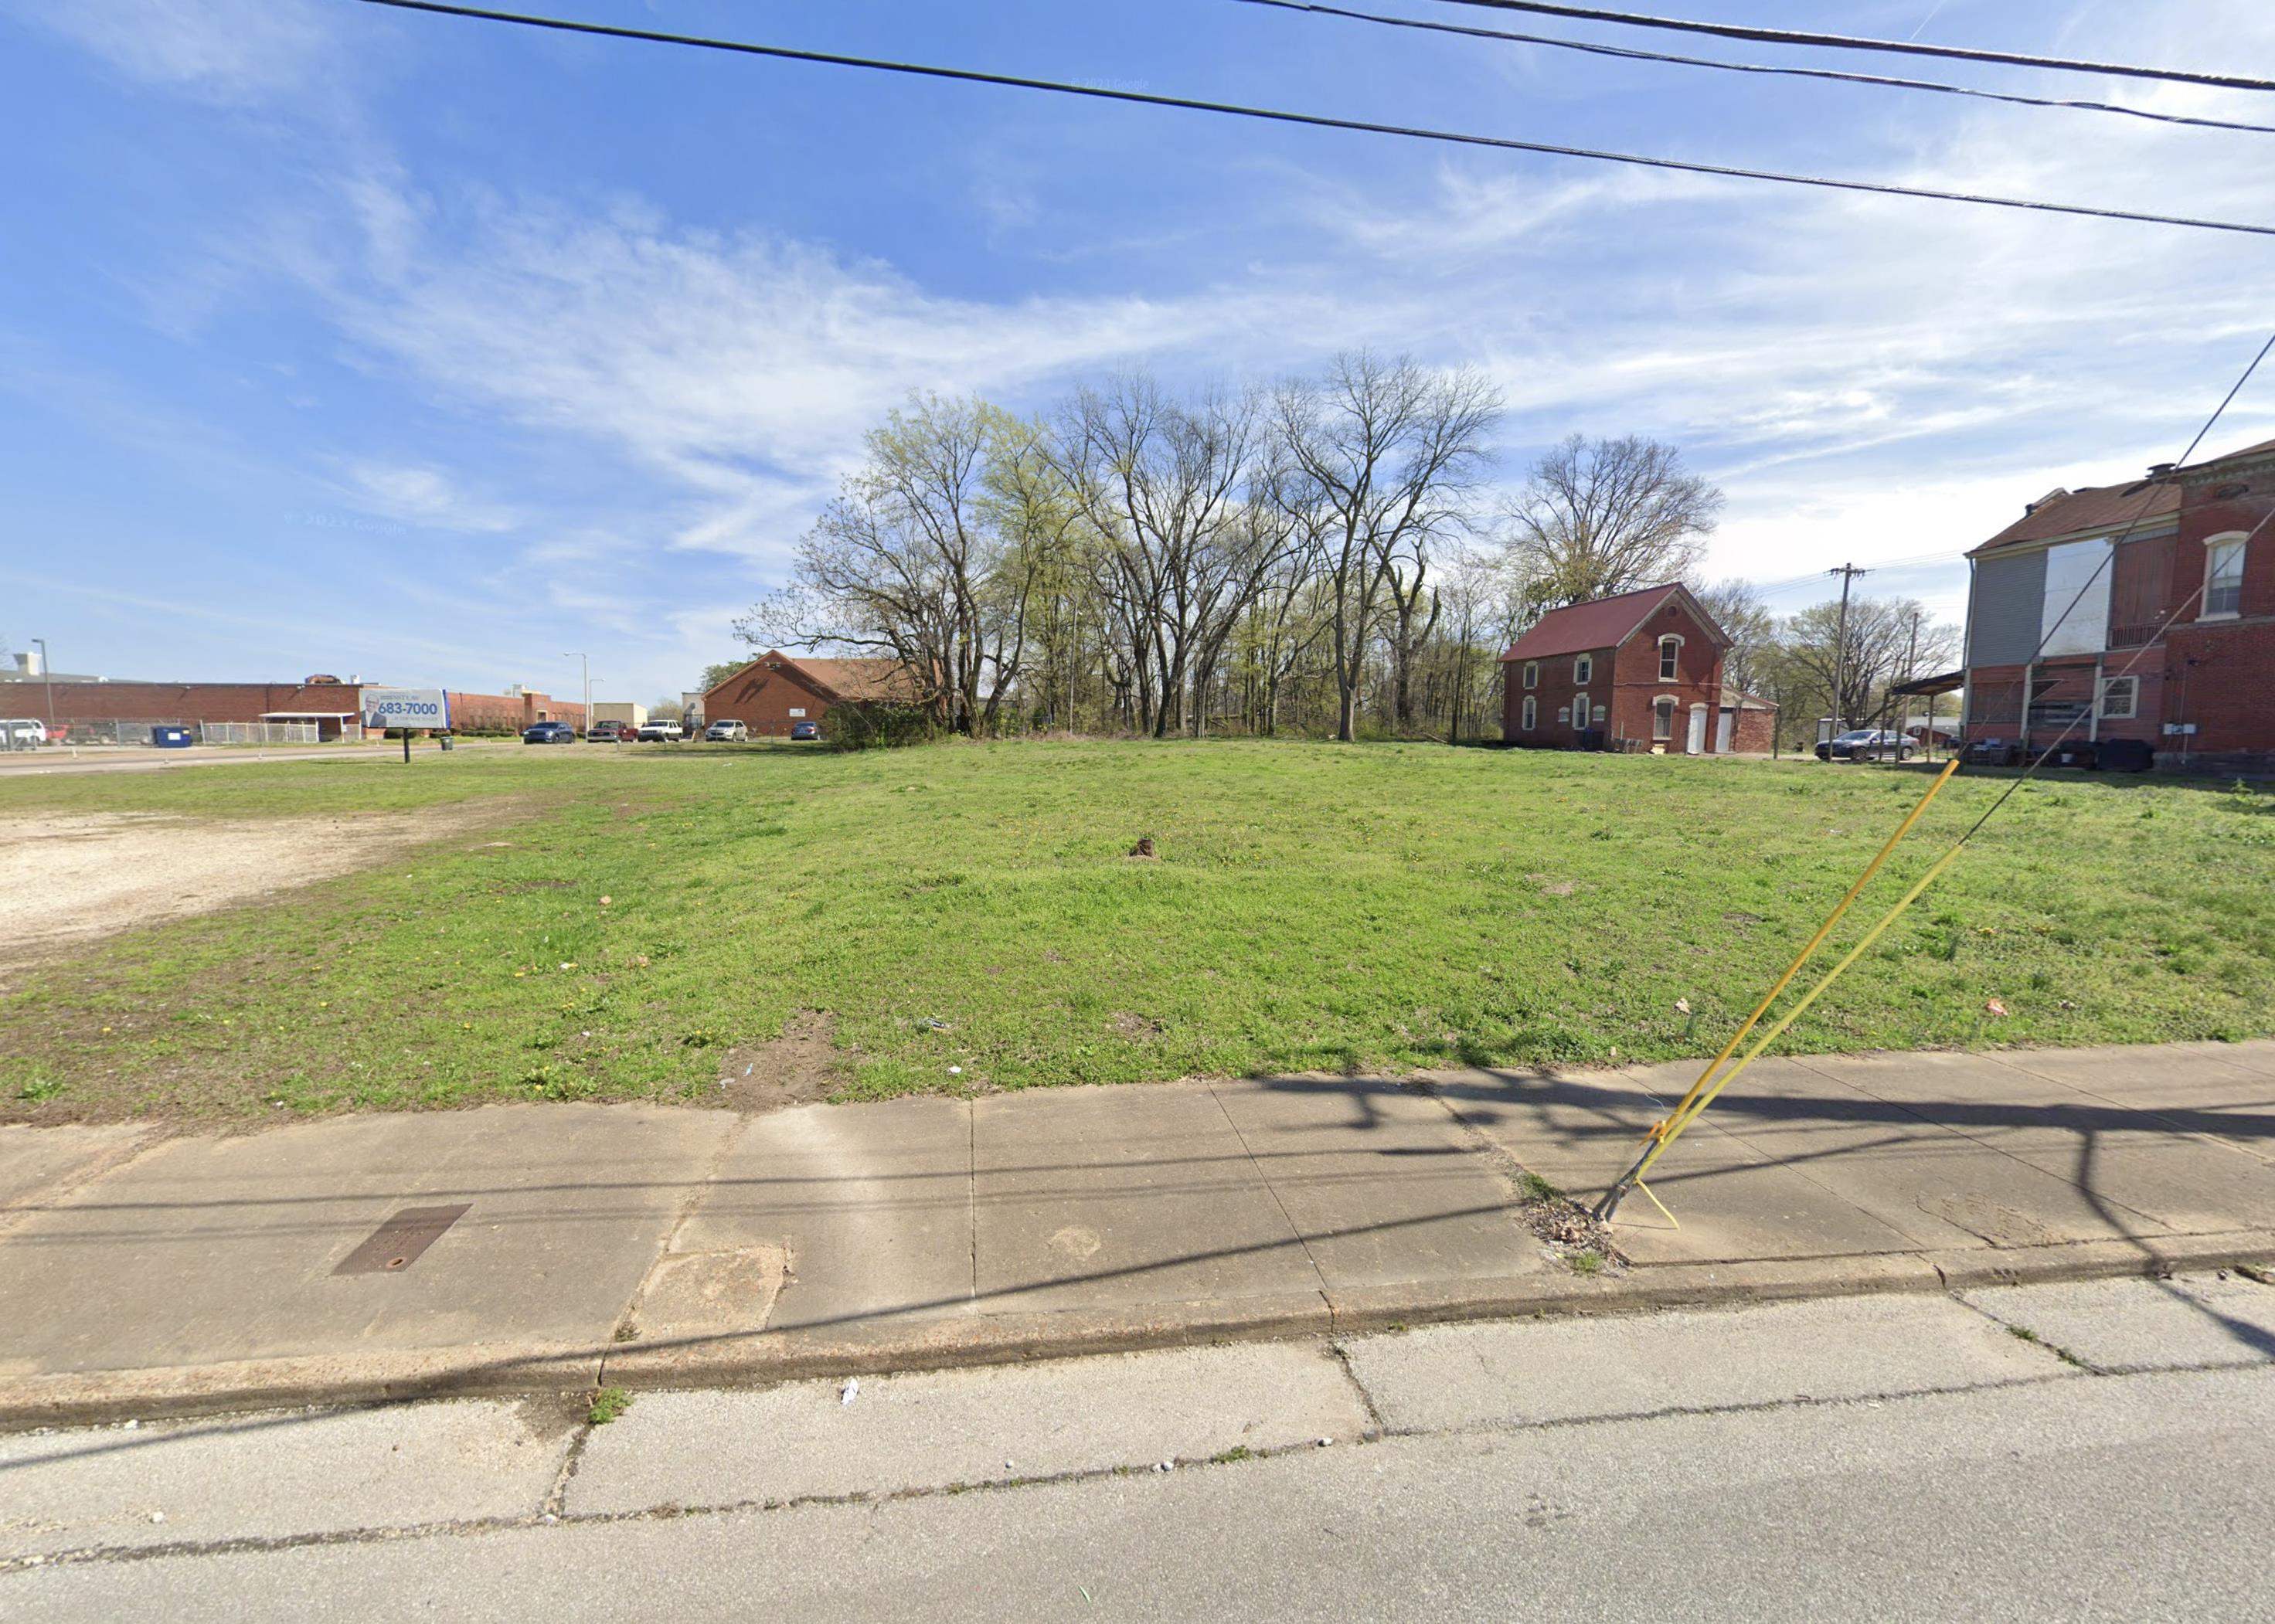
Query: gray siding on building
2009, 607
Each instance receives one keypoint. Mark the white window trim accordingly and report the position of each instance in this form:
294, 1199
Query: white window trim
1583, 669
2132, 711
1531, 713
1532, 674
1580, 711
2214, 545
1665, 659
1665, 705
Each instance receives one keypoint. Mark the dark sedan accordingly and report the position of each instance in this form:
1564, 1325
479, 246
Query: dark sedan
549, 733
1867, 744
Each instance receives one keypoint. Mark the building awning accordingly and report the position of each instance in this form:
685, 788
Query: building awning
1949, 681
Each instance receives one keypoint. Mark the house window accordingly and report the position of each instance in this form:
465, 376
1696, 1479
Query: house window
1584, 668
2223, 592
1530, 711
1662, 718
1580, 711
2120, 697
1670, 649
1532, 674
1564, 713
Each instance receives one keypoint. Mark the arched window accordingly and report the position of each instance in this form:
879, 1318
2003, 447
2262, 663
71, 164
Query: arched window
1532, 674
1662, 717
1532, 711
1583, 669
2223, 588
1670, 653
1579, 710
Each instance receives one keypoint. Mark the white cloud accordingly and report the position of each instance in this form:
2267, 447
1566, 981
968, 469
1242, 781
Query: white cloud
424, 497
228, 50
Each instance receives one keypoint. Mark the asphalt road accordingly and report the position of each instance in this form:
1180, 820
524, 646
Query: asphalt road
1889, 1458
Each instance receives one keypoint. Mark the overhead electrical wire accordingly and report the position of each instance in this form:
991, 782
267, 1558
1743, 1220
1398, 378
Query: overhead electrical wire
1628, 53
1842, 41
1101, 93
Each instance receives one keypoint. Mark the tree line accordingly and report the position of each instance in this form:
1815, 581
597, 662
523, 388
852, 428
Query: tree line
1323, 557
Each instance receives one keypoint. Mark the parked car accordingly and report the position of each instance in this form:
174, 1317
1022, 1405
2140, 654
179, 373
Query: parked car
611, 732
548, 733
806, 730
1867, 744
662, 733
727, 729
25, 731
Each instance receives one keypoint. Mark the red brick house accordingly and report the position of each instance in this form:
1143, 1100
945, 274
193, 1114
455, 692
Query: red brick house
2142, 612
1639, 670
776, 690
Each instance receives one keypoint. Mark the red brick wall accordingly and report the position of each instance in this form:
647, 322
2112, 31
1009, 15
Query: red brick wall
2222, 678
1625, 683
1554, 694
510, 712
1698, 680
761, 698
1753, 732
184, 702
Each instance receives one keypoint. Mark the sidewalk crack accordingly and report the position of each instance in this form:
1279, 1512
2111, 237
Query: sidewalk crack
1286, 1217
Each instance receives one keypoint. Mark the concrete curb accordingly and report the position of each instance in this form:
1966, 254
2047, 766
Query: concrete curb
762, 1357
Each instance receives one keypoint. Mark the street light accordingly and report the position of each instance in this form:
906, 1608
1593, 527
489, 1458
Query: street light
585, 662
48, 671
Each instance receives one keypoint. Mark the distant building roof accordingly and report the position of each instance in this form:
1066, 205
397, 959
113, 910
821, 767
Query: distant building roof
1600, 623
2112, 507
854, 682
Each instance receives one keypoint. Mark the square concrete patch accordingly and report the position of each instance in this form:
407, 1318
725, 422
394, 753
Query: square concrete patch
1580, 1131
1526, 1373
1382, 1183
992, 1425
203, 1251
2143, 1325
277, 1474
1123, 1196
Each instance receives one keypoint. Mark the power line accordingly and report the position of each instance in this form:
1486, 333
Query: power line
1626, 53
1316, 120
1842, 41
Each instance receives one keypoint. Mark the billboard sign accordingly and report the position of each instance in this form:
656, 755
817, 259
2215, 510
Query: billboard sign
405, 707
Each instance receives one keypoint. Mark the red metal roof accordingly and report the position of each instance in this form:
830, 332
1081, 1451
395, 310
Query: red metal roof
2100, 507
1600, 623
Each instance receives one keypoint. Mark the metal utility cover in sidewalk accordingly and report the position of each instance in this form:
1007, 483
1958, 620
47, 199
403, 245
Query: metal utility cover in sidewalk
396, 1245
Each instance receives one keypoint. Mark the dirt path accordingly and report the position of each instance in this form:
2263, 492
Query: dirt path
70, 878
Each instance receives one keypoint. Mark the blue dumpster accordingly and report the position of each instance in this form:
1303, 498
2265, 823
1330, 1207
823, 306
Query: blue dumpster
172, 739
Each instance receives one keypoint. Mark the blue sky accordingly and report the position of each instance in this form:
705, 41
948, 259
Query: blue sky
340, 339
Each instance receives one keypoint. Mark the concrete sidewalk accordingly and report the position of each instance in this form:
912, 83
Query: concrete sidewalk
648, 1246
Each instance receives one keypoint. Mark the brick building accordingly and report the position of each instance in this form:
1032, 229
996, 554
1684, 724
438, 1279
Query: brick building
1639, 670
776, 690
334, 708
2142, 612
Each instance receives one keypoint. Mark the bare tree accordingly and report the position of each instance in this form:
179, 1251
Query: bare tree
1737, 608
1886, 635
1605, 515
1384, 455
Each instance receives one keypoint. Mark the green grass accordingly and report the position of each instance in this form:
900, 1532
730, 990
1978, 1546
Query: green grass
607, 1404
1313, 906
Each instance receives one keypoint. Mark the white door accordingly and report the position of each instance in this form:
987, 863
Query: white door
1722, 732
1697, 742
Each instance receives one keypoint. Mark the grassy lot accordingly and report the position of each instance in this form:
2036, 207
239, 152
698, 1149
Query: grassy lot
632, 919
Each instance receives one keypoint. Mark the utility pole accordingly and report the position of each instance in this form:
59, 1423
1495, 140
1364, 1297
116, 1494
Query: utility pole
1847, 573
585, 662
47, 672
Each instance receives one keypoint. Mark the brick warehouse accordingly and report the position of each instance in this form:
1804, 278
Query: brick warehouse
2140, 615
1639, 670
777, 691
334, 706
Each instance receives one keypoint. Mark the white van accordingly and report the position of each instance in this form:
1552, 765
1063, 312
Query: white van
18, 733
